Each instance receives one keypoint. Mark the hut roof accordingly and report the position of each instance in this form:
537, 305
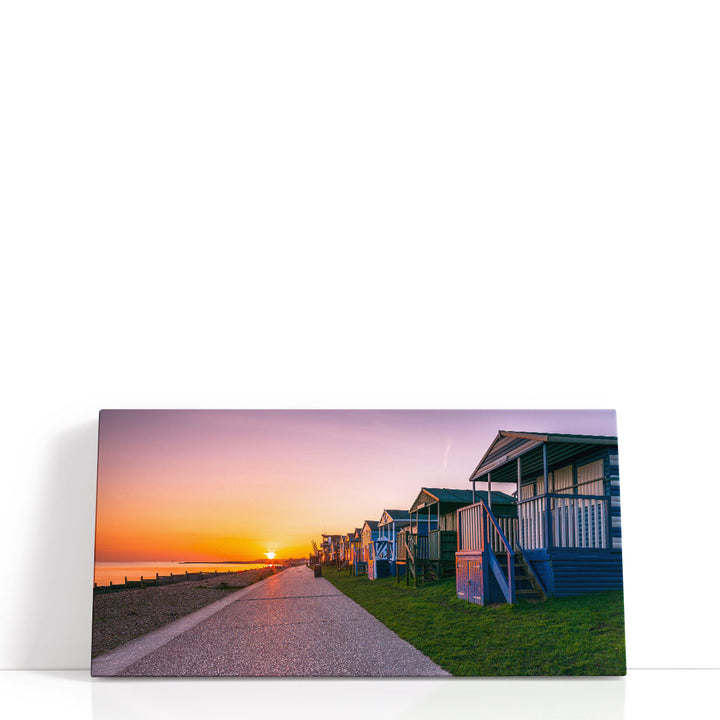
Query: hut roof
508, 445
372, 524
397, 514
456, 498
401, 518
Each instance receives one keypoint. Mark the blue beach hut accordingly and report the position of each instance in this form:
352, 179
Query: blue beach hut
566, 538
389, 526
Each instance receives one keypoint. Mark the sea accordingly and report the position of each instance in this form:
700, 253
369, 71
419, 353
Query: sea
105, 572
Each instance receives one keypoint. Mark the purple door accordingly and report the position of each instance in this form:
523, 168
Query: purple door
469, 579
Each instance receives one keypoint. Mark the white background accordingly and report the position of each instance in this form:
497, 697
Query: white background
378, 204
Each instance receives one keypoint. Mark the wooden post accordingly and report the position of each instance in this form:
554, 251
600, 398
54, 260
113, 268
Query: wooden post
519, 497
394, 545
489, 493
548, 523
485, 563
473, 482
458, 544
428, 530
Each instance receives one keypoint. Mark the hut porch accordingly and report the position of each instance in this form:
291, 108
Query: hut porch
566, 535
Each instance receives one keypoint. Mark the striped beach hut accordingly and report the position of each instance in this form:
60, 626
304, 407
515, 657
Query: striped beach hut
566, 539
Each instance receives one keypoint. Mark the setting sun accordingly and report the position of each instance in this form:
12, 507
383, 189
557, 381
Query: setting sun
270, 555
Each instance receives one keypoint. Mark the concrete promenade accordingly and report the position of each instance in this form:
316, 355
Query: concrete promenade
291, 624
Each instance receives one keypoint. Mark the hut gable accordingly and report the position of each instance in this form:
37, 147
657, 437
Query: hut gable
451, 499
399, 517
369, 525
510, 445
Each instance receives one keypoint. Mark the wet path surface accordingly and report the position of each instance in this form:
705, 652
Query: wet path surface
291, 624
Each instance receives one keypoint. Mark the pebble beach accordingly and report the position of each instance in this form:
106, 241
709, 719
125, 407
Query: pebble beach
126, 614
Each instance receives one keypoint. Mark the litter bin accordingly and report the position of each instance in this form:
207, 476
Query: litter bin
317, 570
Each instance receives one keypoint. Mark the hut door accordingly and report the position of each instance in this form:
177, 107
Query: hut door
461, 575
476, 581
469, 580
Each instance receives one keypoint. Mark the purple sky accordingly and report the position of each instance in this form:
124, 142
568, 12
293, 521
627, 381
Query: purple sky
204, 484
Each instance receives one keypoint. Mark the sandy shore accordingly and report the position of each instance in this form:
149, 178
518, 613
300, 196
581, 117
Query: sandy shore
126, 614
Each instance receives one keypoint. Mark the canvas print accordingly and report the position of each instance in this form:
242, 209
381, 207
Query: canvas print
357, 543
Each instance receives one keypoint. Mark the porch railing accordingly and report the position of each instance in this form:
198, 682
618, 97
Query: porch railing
401, 548
422, 547
577, 521
442, 545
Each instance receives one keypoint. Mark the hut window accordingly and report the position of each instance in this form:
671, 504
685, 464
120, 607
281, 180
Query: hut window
590, 478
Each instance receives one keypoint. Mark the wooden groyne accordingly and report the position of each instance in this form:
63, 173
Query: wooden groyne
170, 579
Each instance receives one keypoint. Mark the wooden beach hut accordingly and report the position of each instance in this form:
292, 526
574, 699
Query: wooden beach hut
344, 554
369, 533
355, 549
330, 549
430, 541
566, 538
390, 525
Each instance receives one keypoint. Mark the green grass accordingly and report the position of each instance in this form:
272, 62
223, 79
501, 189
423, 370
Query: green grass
568, 636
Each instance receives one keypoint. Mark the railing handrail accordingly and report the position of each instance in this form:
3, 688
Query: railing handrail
409, 549
492, 518
558, 495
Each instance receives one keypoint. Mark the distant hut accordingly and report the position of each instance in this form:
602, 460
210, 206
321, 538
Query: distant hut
345, 550
566, 539
430, 540
390, 524
330, 549
355, 549
369, 534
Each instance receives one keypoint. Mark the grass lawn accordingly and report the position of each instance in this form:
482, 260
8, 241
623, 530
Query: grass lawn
567, 636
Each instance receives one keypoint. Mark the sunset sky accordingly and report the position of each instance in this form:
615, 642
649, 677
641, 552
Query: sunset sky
234, 484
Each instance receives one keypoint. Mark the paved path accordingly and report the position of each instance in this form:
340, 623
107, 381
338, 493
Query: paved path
291, 624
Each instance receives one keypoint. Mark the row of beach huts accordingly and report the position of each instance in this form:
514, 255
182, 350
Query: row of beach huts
557, 533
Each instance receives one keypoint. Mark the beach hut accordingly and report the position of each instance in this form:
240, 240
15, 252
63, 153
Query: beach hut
355, 550
330, 549
431, 538
390, 524
566, 537
346, 549
368, 535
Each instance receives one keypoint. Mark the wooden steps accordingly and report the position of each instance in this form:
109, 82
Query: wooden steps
526, 585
